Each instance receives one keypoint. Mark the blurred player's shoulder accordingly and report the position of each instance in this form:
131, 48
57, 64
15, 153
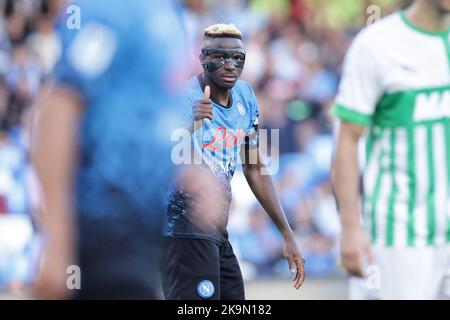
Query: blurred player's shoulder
381, 35
192, 89
193, 84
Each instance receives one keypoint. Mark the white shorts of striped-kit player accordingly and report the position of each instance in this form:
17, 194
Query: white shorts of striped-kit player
405, 273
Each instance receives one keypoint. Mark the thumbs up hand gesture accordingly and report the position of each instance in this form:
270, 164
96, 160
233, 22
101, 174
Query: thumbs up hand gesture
202, 109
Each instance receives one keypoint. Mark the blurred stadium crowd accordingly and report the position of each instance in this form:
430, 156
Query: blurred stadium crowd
294, 55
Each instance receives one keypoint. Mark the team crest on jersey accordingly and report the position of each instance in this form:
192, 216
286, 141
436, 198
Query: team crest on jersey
205, 289
241, 109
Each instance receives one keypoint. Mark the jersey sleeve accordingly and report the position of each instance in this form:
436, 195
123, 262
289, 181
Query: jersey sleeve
361, 86
87, 53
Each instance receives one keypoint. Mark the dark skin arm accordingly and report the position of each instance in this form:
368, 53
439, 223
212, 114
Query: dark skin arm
264, 190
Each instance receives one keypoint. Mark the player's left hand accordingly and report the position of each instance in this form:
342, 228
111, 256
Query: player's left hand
295, 260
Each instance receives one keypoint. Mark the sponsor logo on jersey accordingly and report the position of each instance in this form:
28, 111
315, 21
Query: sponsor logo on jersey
432, 106
225, 138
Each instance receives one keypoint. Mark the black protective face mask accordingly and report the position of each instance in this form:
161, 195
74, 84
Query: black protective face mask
217, 58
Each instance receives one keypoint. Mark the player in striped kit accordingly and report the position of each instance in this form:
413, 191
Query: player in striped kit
396, 83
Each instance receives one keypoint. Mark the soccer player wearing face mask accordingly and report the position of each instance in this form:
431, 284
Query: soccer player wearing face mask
199, 262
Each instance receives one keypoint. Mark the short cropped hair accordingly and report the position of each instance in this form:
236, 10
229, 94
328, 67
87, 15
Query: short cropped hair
222, 30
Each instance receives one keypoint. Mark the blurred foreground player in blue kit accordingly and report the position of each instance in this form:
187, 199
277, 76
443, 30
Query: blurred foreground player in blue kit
103, 150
